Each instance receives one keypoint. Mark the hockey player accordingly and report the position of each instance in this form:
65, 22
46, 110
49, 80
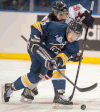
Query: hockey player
60, 12
60, 43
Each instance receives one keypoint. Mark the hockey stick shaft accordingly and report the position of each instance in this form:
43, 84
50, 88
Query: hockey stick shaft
91, 9
80, 89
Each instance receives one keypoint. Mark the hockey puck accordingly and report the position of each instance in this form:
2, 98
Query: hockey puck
83, 107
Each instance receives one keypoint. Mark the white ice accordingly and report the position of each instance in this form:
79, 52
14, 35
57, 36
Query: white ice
10, 70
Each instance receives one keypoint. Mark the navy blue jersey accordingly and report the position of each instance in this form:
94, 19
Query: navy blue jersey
53, 34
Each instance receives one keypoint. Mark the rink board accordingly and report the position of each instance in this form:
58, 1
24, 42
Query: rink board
12, 46
89, 60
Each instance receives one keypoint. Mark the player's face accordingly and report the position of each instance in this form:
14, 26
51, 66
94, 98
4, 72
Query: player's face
62, 16
71, 37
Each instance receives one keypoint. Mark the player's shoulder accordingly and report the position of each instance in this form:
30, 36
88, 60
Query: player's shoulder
59, 24
74, 44
73, 47
75, 7
45, 19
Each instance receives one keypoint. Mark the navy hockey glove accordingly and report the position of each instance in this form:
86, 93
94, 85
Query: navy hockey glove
51, 64
88, 21
76, 58
33, 43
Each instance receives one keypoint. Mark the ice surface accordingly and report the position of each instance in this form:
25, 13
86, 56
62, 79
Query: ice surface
10, 70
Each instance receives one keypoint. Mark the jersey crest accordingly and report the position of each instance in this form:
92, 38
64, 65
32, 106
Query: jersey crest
76, 8
59, 39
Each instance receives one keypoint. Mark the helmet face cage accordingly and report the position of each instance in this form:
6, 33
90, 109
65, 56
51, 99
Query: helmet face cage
76, 27
60, 7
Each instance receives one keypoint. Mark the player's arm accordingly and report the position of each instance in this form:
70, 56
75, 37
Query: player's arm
71, 51
80, 11
89, 20
37, 30
61, 59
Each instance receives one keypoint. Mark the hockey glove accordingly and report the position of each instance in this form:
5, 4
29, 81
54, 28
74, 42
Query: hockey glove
33, 43
76, 58
88, 21
51, 64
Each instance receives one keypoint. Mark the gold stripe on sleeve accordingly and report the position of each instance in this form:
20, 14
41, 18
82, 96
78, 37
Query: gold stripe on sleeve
64, 58
38, 23
34, 25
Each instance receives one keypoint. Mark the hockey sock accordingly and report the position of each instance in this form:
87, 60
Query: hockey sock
59, 84
26, 80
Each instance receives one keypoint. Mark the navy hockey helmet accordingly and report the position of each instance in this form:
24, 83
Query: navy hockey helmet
75, 26
59, 7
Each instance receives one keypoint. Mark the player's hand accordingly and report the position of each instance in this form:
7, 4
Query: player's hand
51, 64
89, 20
76, 58
33, 43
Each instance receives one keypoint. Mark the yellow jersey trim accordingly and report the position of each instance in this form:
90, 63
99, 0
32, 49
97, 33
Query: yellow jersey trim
64, 58
34, 25
40, 27
55, 47
37, 25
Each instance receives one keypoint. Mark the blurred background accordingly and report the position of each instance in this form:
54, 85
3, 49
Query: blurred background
16, 17
43, 5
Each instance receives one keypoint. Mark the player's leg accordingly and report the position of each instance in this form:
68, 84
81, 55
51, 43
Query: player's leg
59, 84
21, 82
29, 93
26, 80
6, 91
31, 90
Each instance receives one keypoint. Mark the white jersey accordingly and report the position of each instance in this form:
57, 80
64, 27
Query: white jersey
74, 12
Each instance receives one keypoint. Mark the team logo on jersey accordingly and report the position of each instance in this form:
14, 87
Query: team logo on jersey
76, 8
59, 39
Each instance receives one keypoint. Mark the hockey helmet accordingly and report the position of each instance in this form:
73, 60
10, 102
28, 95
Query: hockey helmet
59, 7
75, 26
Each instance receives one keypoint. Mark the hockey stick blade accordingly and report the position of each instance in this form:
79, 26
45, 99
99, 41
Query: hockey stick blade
88, 88
80, 89
84, 90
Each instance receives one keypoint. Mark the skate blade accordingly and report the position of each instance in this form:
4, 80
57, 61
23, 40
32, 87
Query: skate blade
61, 106
2, 92
24, 100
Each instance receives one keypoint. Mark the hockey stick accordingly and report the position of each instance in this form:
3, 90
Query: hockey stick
80, 89
91, 9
